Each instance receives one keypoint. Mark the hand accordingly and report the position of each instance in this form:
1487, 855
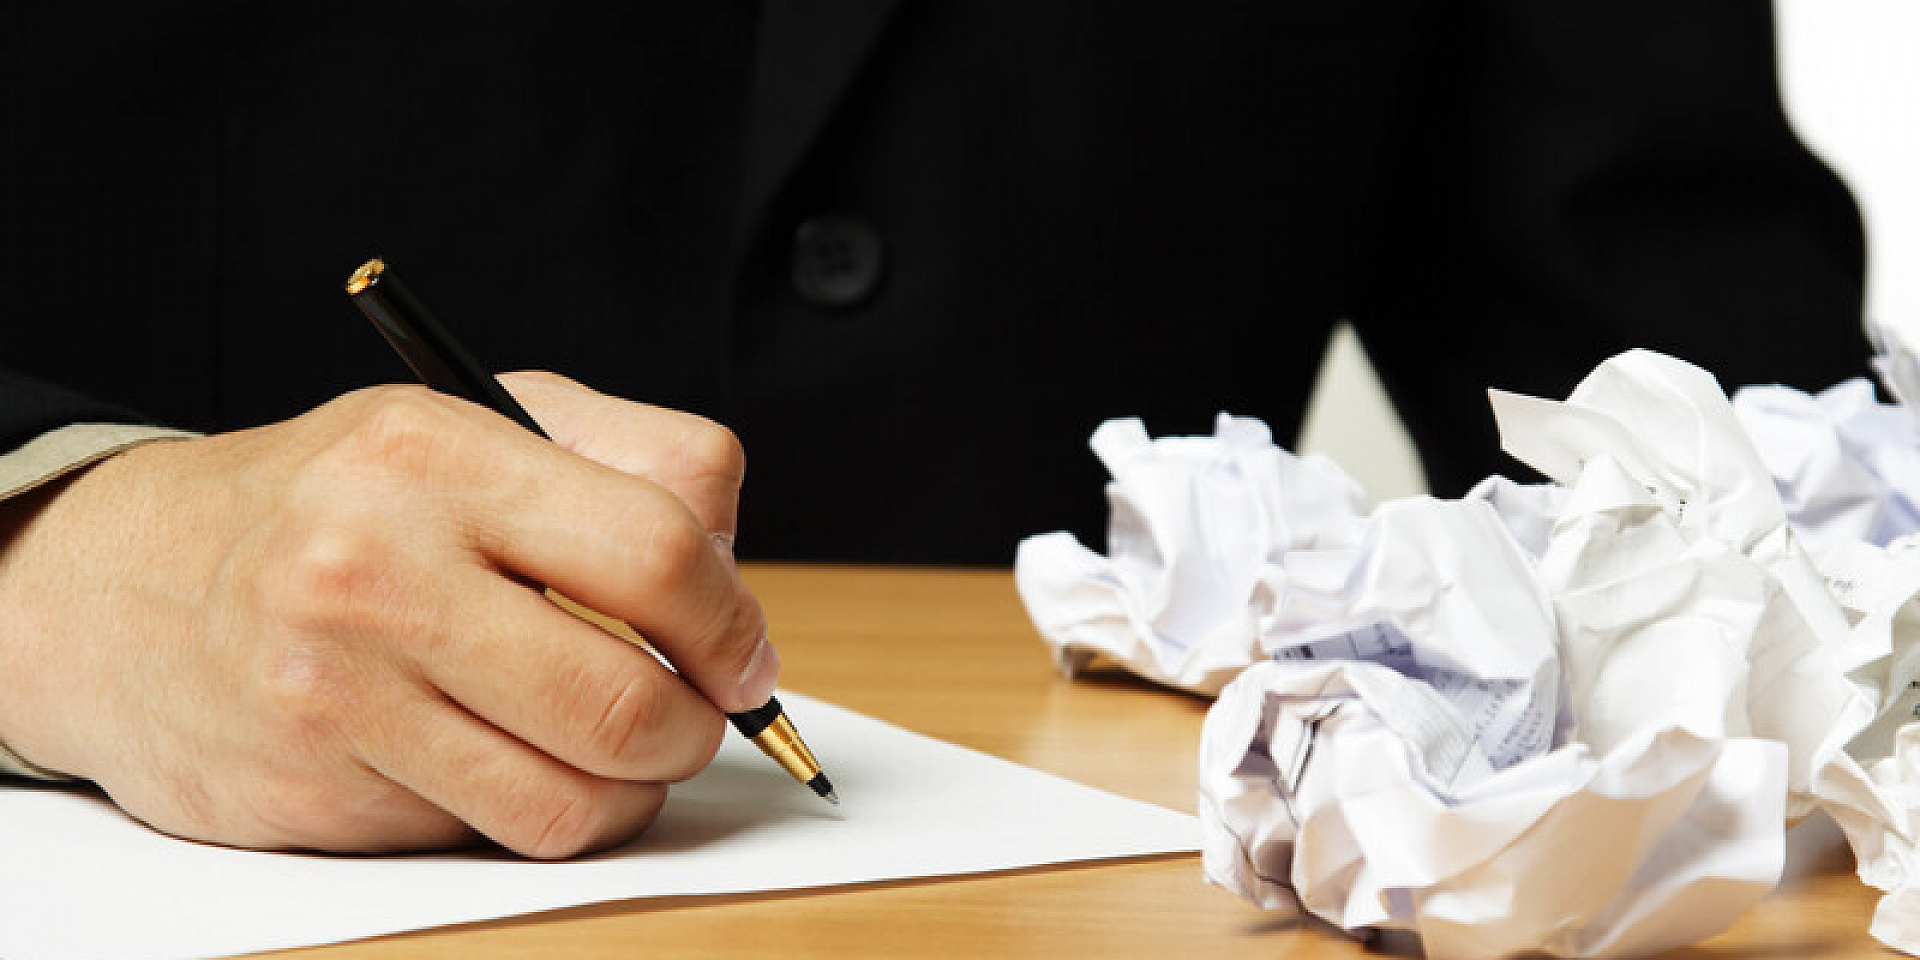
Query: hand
330, 634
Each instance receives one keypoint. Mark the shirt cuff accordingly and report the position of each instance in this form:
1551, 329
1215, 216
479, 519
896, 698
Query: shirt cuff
47, 458
12, 766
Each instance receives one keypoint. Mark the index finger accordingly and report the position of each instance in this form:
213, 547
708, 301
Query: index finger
695, 459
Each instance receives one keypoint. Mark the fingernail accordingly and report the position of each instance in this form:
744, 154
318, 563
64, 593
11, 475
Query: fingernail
723, 542
758, 679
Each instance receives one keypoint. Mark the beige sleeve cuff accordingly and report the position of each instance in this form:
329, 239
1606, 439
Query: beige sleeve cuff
46, 458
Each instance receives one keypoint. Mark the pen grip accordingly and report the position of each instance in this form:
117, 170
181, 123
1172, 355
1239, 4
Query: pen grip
443, 364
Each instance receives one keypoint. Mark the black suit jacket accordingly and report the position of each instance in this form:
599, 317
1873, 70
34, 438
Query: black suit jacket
911, 251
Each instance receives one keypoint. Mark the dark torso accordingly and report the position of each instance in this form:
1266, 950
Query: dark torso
913, 253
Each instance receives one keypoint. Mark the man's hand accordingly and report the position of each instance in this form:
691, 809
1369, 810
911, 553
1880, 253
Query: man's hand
330, 633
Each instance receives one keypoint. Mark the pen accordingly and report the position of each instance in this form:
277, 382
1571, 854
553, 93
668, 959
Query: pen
443, 364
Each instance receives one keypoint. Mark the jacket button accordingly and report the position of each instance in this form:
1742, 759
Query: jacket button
837, 260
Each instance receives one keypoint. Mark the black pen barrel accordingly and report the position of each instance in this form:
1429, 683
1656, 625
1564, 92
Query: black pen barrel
436, 357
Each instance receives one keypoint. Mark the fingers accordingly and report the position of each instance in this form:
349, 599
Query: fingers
352, 810
568, 688
618, 543
514, 795
541, 732
695, 459
630, 549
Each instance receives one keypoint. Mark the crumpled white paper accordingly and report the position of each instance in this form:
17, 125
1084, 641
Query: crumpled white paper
1528, 509
1569, 718
1315, 785
1673, 533
1194, 522
1872, 788
1847, 466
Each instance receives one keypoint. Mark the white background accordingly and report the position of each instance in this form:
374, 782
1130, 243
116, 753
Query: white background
1850, 79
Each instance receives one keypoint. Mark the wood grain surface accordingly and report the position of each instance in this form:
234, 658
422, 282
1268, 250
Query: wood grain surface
950, 653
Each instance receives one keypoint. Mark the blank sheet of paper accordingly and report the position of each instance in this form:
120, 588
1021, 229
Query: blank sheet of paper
79, 880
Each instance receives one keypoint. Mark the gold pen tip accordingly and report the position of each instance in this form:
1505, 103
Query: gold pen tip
366, 275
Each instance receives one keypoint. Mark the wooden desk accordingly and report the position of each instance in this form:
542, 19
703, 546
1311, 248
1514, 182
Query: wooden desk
951, 654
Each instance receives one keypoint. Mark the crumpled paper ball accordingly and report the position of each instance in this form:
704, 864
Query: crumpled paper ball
1638, 669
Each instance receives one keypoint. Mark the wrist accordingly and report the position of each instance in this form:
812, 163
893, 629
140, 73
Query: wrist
17, 515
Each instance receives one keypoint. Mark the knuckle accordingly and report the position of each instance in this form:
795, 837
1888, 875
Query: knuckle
563, 821
624, 722
400, 428
674, 553
325, 576
714, 452
632, 737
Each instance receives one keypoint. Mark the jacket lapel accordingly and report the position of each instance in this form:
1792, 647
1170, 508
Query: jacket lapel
807, 53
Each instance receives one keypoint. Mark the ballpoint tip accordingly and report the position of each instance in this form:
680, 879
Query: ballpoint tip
823, 788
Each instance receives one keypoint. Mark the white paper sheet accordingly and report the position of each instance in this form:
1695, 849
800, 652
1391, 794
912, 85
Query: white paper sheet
80, 881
